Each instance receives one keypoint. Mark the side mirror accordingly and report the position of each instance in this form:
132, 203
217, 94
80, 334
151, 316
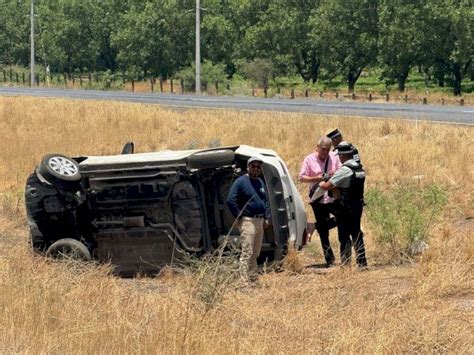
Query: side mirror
128, 148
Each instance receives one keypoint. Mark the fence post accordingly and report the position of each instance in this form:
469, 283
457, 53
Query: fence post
406, 98
11, 75
4, 75
37, 80
73, 80
133, 85
461, 102
442, 101
90, 77
337, 95
228, 87
321, 94
23, 77
80, 80
387, 97
370, 96
292, 93
65, 79
182, 86
171, 85
278, 89
306, 93
44, 78
161, 83
16, 77
265, 91
353, 96
425, 101
217, 88
152, 85
96, 77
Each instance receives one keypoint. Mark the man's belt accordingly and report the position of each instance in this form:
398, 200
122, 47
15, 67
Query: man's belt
255, 216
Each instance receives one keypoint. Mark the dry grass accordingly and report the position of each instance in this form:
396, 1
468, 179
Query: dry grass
57, 307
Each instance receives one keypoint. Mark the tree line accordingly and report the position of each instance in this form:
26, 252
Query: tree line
313, 39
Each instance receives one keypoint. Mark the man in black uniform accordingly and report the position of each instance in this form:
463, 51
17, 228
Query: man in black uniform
336, 138
347, 184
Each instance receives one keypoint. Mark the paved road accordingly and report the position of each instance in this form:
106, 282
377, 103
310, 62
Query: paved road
446, 114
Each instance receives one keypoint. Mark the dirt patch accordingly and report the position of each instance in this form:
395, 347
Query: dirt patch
463, 303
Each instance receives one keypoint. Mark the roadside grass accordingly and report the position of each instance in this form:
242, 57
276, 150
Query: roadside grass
426, 305
418, 86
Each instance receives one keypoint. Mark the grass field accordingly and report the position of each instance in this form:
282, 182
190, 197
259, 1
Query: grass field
426, 305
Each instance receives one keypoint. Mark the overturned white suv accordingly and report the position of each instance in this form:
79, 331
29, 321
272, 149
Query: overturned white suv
139, 211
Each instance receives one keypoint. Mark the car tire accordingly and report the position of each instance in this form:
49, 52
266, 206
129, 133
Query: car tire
211, 159
68, 248
60, 170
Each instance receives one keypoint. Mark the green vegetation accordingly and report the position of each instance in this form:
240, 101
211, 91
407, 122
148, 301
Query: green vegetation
312, 43
402, 217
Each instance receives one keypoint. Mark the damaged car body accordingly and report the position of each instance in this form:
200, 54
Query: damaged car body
141, 211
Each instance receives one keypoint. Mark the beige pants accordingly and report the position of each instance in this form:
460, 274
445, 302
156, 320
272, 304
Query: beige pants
251, 236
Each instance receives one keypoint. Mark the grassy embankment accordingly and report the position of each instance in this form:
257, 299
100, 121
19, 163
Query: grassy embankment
427, 306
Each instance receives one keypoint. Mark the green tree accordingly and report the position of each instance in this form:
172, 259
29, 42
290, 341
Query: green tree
14, 32
282, 36
402, 38
346, 33
218, 33
67, 36
155, 36
451, 48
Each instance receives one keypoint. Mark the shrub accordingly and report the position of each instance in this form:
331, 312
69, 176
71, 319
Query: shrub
210, 74
402, 217
211, 276
259, 71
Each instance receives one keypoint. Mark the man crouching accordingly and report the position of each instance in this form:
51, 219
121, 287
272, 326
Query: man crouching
248, 203
347, 184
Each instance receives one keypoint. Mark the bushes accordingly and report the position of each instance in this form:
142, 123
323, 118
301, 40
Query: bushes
402, 217
210, 75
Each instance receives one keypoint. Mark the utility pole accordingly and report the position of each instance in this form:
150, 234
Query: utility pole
32, 44
198, 48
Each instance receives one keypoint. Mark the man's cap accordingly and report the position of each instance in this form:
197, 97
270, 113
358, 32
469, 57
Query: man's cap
345, 148
334, 134
254, 158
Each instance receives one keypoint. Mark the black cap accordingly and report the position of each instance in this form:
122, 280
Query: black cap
334, 134
345, 148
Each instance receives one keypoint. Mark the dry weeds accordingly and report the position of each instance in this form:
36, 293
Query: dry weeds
61, 307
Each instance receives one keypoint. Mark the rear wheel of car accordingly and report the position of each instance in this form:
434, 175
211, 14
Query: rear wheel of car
211, 159
60, 170
68, 248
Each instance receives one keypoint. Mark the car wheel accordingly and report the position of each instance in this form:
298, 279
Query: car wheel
211, 159
60, 170
68, 248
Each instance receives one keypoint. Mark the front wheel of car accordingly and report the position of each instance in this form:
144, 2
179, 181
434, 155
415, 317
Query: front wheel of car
210, 159
68, 248
60, 170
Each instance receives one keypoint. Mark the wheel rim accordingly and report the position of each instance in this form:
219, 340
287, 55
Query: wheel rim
62, 166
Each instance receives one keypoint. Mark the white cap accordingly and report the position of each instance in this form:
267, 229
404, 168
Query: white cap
254, 158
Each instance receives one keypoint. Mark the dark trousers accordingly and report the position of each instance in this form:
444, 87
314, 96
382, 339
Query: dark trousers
350, 234
323, 225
